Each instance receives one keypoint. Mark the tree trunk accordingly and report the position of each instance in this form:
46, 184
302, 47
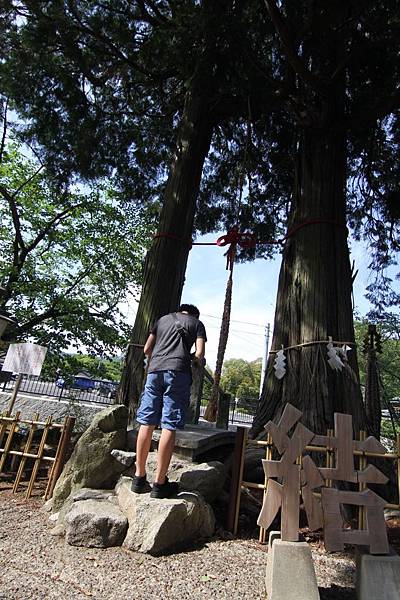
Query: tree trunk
314, 294
165, 264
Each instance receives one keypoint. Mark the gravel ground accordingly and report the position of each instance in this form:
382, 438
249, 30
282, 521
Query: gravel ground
35, 565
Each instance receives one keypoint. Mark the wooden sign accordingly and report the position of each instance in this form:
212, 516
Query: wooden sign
24, 358
299, 476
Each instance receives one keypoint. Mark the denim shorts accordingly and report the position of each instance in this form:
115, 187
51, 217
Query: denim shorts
165, 399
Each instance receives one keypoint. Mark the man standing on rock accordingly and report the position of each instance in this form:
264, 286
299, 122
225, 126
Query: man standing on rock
167, 392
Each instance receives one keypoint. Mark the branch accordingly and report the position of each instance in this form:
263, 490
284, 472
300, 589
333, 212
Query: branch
24, 183
157, 19
3, 137
54, 221
15, 216
52, 311
47, 314
293, 58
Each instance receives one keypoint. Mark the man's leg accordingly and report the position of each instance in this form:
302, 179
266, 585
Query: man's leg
175, 402
148, 416
165, 449
143, 444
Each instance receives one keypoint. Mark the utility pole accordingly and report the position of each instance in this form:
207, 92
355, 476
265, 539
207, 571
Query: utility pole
265, 355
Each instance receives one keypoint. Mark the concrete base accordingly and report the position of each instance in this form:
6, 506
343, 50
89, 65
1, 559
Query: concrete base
377, 576
290, 571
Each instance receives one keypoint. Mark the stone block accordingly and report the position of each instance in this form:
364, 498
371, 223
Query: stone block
195, 440
377, 576
157, 526
95, 524
290, 570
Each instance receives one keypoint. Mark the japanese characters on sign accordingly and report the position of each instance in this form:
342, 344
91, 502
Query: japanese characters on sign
24, 358
299, 475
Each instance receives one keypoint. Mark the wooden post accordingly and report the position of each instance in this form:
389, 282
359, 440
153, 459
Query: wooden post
39, 457
8, 443
268, 456
14, 394
59, 461
362, 464
398, 466
3, 426
196, 392
27, 447
329, 455
236, 479
224, 402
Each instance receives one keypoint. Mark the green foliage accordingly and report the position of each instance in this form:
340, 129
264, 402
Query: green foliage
68, 258
102, 85
112, 88
241, 379
70, 364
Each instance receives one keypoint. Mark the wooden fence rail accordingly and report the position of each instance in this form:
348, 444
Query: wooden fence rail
34, 450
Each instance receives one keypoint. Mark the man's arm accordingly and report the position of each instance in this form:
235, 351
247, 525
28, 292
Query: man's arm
149, 345
200, 345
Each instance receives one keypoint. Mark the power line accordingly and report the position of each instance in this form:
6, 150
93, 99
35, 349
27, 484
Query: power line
243, 339
235, 330
234, 320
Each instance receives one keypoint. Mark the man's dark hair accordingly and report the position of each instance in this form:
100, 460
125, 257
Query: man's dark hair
190, 309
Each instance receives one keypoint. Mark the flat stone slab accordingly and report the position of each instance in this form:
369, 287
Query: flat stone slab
290, 571
195, 440
377, 576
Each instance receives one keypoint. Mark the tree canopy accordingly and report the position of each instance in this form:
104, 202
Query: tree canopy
68, 258
107, 80
299, 99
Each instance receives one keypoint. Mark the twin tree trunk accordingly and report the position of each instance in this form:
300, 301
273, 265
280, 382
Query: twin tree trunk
314, 299
165, 265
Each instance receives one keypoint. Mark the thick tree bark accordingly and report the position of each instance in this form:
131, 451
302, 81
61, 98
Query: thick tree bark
314, 294
165, 265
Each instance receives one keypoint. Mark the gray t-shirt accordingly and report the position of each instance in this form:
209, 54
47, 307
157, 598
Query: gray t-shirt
171, 352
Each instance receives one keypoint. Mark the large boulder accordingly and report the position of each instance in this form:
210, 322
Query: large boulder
82, 494
206, 479
94, 523
158, 526
91, 464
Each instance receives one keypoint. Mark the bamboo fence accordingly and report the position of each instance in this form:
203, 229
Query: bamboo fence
34, 452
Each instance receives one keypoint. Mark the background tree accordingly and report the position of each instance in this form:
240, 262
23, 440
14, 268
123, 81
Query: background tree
68, 259
68, 365
241, 379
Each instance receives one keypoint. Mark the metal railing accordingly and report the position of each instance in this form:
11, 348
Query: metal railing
240, 413
96, 391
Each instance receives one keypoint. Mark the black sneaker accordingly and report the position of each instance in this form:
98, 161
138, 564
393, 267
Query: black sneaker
164, 490
140, 485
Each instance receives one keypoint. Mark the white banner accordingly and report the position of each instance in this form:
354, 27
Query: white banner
24, 358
